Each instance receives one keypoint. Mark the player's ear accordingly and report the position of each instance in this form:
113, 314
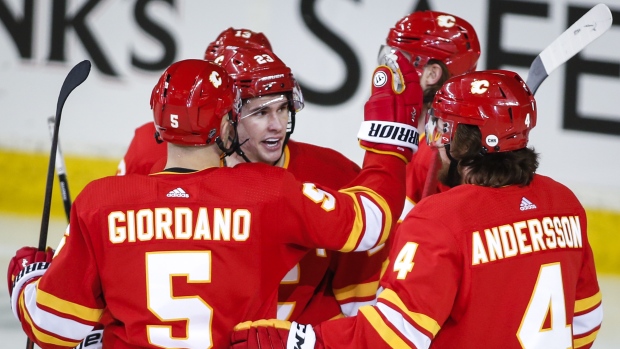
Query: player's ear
432, 74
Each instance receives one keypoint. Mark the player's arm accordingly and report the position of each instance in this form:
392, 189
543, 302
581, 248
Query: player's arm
360, 217
405, 316
356, 278
52, 314
588, 314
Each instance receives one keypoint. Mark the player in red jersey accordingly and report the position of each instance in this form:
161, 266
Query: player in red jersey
440, 45
500, 261
179, 257
324, 284
143, 152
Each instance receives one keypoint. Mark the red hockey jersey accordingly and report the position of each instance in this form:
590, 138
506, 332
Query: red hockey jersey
326, 284
417, 173
143, 152
480, 267
179, 259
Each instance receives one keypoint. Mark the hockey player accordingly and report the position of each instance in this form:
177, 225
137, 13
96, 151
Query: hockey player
143, 152
179, 257
500, 261
440, 45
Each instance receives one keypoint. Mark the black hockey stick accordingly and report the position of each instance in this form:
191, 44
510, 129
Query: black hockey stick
76, 76
574, 39
61, 172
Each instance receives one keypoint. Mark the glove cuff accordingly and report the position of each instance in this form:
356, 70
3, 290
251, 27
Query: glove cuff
34, 270
301, 336
392, 133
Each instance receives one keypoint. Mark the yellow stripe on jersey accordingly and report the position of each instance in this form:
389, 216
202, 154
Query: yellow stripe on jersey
386, 333
385, 152
43, 337
580, 342
287, 157
279, 324
587, 303
358, 225
378, 200
69, 308
422, 320
358, 290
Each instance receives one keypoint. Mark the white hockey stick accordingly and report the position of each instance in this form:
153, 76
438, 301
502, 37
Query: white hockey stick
61, 172
574, 39
579, 35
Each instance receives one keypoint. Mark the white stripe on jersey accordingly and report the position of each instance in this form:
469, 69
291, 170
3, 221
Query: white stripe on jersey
587, 322
351, 308
49, 322
373, 224
397, 319
409, 205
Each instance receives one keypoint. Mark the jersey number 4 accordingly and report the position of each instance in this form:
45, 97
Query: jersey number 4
544, 323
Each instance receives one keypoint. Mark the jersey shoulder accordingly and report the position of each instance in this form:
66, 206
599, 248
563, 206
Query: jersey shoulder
321, 165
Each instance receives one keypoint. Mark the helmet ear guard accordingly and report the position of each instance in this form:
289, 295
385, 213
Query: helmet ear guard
498, 102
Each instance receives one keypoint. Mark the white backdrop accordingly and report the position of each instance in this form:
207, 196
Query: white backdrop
100, 115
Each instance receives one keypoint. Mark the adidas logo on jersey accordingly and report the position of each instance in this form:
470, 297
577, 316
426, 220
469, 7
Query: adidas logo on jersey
177, 193
526, 204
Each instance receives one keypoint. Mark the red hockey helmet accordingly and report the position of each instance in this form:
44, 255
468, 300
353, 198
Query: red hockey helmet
259, 72
497, 101
436, 35
236, 38
189, 101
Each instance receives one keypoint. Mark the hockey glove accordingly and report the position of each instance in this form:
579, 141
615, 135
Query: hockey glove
272, 334
27, 266
392, 111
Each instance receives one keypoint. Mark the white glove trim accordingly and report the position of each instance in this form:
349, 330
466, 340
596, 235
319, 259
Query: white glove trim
34, 270
387, 132
301, 337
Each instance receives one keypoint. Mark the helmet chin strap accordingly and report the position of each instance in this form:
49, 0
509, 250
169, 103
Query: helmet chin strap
453, 175
288, 132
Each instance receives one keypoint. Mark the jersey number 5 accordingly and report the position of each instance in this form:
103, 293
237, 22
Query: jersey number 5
160, 268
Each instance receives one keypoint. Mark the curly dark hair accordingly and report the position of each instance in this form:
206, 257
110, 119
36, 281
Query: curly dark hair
491, 169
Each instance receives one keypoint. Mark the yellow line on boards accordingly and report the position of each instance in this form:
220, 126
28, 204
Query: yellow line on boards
22, 190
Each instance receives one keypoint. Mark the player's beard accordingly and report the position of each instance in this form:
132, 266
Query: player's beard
447, 177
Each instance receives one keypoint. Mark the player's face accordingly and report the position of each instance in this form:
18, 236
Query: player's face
444, 175
263, 124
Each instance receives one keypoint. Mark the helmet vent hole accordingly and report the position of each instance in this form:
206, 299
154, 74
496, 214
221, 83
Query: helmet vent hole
166, 85
510, 114
502, 92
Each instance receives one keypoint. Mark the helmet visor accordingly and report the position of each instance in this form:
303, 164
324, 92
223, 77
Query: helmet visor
439, 132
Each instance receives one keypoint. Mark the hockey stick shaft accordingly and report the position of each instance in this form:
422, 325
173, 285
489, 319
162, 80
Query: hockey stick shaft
76, 76
580, 34
61, 172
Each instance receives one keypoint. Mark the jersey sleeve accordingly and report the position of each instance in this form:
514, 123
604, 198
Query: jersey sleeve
409, 311
588, 314
356, 218
53, 313
356, 278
